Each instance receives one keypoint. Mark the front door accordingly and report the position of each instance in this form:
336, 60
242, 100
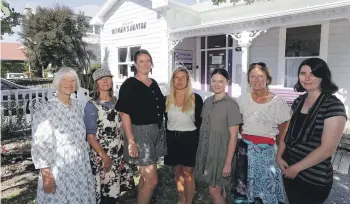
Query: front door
216, 59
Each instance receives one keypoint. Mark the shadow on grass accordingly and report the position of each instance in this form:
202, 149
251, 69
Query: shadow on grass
25, 196
166, 193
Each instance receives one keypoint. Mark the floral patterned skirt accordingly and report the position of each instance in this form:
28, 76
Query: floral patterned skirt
257, 175
109, 185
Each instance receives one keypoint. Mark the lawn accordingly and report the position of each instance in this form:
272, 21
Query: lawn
19, 178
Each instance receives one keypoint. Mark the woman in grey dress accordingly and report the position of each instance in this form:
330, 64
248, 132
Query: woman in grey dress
59, 147
218, 137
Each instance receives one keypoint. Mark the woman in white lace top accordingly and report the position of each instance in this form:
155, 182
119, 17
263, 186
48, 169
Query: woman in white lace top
265, 115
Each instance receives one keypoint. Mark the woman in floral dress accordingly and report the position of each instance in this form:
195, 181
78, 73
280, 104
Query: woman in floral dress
104, 133
59, 147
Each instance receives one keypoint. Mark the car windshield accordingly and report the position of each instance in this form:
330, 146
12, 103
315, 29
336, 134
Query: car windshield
17, 75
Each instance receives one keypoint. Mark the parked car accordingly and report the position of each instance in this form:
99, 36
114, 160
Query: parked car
7, 85
16, 76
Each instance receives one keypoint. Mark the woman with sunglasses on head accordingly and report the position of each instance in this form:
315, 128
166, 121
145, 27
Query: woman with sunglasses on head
314, 132
183, 120
218, 138
265, 115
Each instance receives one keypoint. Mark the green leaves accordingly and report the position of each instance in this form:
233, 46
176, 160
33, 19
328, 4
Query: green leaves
55, 36
9, 19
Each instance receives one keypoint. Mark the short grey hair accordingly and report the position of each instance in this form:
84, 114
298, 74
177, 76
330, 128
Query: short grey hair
61, 73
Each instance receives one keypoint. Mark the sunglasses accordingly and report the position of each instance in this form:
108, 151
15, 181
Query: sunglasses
262, 64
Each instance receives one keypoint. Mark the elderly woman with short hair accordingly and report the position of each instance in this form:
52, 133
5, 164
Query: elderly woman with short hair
59, 146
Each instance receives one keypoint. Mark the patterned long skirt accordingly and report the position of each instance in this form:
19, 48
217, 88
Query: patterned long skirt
264, 179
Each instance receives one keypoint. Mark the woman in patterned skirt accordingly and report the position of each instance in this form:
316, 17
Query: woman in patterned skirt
104, 133
59, 147
265, 116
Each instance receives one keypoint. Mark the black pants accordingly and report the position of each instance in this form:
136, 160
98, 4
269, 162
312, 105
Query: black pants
301, 192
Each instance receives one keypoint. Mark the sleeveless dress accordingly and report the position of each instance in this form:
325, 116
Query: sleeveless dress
110, 136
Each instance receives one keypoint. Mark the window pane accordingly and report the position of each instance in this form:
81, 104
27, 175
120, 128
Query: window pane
230, 41
217, 41
303, 41
133, 50
216, 59
123, 71
122, 54
97, 29
202, 42
202, 68
291, 72
90, 29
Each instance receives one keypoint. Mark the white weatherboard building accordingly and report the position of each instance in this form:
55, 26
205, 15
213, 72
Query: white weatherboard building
203, 37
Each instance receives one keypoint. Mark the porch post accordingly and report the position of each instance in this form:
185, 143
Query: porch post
245, 39
171, 47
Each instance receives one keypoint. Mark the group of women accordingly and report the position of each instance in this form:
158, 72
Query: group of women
84, 154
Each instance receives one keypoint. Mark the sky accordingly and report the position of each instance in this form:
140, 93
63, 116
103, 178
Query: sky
89, 7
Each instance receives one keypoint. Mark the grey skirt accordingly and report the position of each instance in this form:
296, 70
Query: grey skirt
150, 140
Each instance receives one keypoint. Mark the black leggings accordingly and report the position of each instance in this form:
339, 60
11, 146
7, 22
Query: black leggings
301, 192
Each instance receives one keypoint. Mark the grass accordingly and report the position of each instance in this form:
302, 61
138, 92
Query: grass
165, 192
23, 190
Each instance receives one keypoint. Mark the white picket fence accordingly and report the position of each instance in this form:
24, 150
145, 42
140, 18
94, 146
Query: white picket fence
21, 102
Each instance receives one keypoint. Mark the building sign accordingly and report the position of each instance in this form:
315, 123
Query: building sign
184, 58
129, 27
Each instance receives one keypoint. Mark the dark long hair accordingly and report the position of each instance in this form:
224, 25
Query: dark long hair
319, 69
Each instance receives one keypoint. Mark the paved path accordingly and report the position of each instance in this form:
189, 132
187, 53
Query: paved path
340, 193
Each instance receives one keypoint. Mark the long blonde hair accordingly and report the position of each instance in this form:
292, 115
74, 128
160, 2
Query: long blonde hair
189, 96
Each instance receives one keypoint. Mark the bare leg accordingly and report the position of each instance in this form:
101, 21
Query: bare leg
180, 183
189, 184
216, 194
148, 182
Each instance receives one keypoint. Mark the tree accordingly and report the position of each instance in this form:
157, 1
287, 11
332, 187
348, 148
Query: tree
54, 36
9, 19
218, 2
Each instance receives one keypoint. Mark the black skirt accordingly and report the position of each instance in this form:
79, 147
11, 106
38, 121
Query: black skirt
182, 148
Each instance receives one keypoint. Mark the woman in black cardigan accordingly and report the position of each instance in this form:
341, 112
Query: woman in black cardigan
183, 120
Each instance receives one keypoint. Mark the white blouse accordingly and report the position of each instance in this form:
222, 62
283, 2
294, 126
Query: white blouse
180, 121
263, 119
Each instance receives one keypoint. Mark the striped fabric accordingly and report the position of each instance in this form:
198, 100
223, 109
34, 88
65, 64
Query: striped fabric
320, 174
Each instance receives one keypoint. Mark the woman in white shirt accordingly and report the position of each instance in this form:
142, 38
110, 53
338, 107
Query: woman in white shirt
265, 116
183, 120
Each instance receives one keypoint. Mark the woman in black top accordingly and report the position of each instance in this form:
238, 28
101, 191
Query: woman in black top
142, 105
183, 120
317, 124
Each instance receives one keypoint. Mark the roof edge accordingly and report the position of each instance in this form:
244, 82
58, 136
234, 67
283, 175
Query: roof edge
106, 7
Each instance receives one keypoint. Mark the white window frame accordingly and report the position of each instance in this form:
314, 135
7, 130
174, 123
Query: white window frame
127, 62
282, 47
